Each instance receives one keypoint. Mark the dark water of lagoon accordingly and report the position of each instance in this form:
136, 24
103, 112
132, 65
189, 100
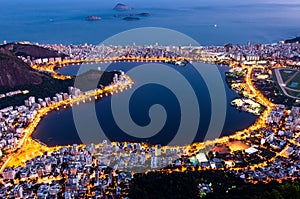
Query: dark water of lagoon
58, 128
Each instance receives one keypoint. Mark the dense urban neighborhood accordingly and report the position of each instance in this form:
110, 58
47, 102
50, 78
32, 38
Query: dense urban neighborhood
264, 75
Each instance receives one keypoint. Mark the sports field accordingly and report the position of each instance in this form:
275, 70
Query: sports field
289, 81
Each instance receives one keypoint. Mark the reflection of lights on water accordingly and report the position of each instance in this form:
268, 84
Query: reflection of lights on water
130, 86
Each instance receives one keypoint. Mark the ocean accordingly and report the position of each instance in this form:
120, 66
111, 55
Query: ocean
215, 22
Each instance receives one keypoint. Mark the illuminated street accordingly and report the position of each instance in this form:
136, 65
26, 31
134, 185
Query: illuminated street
252, 154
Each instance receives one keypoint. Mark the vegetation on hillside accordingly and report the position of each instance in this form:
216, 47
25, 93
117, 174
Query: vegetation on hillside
177, 185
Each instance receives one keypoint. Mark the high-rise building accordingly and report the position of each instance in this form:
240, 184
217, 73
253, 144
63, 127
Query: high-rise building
59, 97
158, 150
31, 99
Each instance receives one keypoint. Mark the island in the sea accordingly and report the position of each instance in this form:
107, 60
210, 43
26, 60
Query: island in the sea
122, 7
131, 18
143, 14
93, 18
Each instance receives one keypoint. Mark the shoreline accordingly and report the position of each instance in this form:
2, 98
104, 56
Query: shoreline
207, 142
256, 130
45, 110
239, 141
152, 144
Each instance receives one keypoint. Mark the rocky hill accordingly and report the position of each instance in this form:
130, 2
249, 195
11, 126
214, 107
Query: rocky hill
35, 51
15, 72
297, 39
122, 7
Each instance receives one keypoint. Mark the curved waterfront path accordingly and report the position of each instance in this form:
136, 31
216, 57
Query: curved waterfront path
17, 157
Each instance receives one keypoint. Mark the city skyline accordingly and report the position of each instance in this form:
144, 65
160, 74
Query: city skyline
149, 99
